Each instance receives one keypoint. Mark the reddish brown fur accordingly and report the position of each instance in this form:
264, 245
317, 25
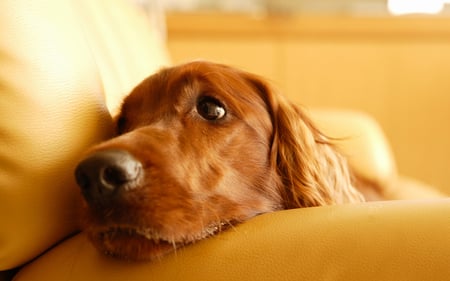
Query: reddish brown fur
202, 176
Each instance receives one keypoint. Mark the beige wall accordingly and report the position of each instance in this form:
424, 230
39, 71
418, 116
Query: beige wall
398, 70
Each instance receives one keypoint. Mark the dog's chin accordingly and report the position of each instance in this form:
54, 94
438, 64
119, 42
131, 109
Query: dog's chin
131, 243
143, 244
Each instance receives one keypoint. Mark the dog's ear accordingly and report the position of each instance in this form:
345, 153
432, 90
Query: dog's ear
311, 171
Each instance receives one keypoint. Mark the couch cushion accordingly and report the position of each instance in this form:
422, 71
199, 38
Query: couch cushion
59, 59
51, 108
395, 240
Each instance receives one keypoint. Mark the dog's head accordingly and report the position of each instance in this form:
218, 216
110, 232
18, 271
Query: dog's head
201, 147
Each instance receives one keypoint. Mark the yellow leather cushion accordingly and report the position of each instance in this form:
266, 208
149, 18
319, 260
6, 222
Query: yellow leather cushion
397, 240
51, 108
126, 45
58, 59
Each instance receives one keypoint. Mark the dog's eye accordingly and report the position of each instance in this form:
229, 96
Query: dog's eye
210, 108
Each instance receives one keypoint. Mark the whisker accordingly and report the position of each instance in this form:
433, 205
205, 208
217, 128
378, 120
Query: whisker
174, 246
231, 225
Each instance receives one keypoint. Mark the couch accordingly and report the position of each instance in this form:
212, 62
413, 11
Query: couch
65, 66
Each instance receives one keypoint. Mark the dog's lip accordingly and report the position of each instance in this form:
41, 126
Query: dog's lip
133, 231
146, 243
157, 237
131, 243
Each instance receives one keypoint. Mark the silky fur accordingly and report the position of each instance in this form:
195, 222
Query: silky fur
202, 176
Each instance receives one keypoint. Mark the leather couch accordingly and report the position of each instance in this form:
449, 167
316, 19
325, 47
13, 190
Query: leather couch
64, 67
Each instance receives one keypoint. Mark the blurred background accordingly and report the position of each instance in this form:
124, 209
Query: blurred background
390, 59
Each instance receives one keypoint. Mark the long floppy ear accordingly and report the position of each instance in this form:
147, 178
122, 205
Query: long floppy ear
311, 171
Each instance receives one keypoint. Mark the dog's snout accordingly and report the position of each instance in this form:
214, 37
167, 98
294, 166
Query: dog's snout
104, 174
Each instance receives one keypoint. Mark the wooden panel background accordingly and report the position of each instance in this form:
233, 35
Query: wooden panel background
396, 69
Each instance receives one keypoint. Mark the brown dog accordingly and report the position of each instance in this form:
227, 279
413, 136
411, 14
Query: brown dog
202, 147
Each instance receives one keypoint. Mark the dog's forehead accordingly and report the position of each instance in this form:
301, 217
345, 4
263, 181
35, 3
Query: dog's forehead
200, 77
221, 82
178, 89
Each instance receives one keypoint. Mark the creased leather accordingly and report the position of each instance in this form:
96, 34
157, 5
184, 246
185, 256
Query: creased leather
389, 241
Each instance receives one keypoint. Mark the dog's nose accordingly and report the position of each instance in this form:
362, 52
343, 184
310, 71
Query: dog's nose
104, 174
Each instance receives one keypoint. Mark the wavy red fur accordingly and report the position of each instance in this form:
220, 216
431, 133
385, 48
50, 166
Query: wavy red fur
202, 176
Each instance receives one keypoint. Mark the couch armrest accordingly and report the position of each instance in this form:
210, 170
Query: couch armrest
363, 142
403, 187
361, 139
395, 240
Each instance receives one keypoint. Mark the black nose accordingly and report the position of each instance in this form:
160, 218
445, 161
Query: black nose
105, 174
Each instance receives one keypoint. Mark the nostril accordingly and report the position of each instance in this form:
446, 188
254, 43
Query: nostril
115, 175
104, 173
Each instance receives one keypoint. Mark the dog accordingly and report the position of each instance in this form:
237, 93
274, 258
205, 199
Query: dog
201, 147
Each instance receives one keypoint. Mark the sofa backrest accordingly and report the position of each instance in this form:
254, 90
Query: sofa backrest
60, 60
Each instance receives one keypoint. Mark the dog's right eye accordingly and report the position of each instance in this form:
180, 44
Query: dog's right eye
210, 108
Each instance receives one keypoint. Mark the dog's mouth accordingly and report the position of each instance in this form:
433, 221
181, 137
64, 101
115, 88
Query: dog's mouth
145, 243
133, 243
